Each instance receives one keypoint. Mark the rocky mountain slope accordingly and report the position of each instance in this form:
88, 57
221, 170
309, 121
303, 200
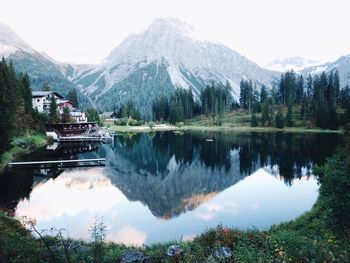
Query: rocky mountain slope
169, 54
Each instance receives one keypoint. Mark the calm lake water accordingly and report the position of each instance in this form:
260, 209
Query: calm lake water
166, 186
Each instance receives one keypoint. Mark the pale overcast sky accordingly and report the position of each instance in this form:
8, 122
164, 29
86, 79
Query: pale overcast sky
85, 31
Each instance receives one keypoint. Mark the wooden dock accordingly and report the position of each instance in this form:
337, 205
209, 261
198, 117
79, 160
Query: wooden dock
97, 162
79, 139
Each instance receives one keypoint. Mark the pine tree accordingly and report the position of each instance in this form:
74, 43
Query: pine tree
5, 109
161, 108
309, 88
265, 114
46, 87
176, 113
73, 98
321, 105
263, 94
289, 115
66, 115
299, 90
248, 96
93, 115
304, 107
27, 94
217, 99
243, 94
279, 121
53, 114
253, 121
336, 83
332, 95
16, 113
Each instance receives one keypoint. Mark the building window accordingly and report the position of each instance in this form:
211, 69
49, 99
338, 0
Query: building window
38, 100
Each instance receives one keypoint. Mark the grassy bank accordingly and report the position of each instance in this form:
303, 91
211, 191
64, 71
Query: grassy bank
199, 127
320, 235
143, 128
256, 129
21, 145
238, 120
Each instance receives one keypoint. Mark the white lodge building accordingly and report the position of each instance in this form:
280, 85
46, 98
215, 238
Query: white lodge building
42, 100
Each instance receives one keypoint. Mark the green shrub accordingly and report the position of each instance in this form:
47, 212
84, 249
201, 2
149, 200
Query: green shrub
180, 124
133, 122
122, 122
279, 120
334, 178
151, 125
253, 121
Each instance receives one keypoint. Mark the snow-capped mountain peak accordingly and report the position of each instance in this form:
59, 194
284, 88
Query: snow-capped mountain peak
166, 26
295, 63
10, 42
162, 39
168, 54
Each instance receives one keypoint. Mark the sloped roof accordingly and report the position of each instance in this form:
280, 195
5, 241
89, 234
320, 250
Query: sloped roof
37, 94
64, 101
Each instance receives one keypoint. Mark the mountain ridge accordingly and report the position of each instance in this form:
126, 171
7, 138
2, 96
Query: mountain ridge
187, 58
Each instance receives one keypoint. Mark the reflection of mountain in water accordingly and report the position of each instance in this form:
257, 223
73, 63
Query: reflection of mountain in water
172, 173
90, 179
183, 186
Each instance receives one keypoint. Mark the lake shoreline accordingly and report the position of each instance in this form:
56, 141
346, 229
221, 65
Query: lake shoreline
22, 145
167, 127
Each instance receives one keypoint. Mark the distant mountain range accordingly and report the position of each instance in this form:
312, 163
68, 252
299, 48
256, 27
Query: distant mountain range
295, 63
169, 54
342, 64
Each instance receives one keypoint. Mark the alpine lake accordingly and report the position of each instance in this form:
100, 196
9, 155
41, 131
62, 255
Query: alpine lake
164, 186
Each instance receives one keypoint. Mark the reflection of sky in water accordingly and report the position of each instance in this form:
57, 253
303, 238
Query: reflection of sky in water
76, 196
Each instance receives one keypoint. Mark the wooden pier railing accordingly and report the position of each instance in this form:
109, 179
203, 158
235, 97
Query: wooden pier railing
98, 161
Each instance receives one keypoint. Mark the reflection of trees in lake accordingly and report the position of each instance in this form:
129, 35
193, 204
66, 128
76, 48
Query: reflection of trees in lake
16, 184
291, 152
173, 173
65, 150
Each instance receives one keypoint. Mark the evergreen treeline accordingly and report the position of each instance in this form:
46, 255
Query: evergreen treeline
128, 110
317, 99
214, 100
180, 106
249, 97
16, 112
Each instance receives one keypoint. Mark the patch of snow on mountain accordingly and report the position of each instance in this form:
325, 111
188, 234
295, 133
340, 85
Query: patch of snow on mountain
318, 70
177, 78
